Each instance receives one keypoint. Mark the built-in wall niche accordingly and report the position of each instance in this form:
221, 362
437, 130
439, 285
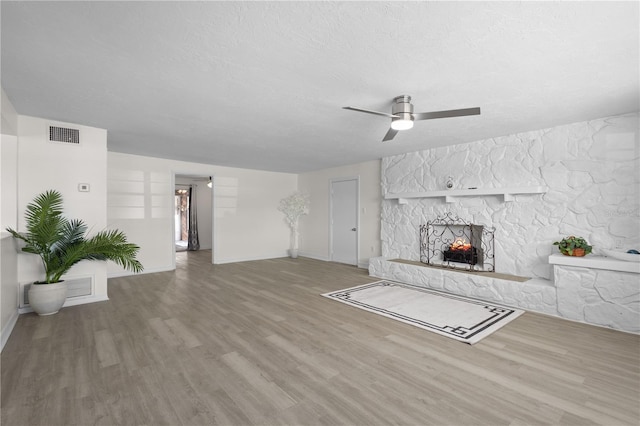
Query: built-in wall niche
451, 242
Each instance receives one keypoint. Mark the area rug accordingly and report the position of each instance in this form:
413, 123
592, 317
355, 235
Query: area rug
460, 318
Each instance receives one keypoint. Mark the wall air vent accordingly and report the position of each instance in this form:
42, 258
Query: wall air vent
61, 134
76, 287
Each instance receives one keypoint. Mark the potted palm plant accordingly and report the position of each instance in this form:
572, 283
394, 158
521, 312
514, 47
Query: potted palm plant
573, 246
61, 243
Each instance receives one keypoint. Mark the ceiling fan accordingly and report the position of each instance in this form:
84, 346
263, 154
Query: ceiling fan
402, 115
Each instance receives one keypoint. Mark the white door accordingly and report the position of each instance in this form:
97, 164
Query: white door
344, 221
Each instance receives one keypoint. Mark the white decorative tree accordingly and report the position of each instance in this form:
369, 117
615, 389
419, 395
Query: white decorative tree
294, 206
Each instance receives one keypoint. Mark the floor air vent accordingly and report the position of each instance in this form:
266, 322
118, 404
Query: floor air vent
62, 134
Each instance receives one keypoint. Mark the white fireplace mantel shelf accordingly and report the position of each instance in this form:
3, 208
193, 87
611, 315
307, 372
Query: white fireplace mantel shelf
452, 195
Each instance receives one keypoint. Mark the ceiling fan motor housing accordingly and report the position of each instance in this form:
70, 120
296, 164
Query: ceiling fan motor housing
402, 107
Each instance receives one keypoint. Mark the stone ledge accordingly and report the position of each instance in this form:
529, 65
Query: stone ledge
496, 275
452, 195
595, 262
533, 294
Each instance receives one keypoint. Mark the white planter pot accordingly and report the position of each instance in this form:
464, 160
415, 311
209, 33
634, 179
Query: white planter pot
47, 299
293, 253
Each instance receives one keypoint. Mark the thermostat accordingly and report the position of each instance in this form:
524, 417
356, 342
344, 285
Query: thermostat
83, 187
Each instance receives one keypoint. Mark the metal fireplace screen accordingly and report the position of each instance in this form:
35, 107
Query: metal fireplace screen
451, 242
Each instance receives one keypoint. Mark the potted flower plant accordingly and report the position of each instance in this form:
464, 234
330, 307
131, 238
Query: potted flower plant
61, 243
294, 206
573, 246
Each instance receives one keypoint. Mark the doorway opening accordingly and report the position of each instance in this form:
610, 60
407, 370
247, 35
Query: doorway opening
193, 213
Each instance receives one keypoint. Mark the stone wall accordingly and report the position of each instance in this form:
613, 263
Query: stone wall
606, 298
591, 170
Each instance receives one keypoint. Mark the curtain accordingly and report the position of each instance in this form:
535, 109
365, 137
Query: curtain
193, 243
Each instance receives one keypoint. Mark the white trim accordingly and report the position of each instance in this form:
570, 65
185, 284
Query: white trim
330, 216
214, 221
173, 219
6, 331
344, 179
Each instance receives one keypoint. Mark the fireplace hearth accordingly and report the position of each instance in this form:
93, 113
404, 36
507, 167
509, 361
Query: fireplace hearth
450, 242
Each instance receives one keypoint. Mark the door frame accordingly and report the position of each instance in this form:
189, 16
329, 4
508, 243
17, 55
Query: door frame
331, 182
214, 243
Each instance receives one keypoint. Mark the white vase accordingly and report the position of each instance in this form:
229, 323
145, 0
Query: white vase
293, 253
47, 299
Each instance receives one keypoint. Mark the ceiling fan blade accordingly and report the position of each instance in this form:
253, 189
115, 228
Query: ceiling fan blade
390, 135
384, 114
445, 114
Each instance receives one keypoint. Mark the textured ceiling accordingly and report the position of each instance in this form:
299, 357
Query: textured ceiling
261, 84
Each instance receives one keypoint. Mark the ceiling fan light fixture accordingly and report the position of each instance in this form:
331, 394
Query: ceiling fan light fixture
401, 123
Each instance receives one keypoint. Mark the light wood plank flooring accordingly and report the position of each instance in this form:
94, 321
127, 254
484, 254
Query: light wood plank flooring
254, 343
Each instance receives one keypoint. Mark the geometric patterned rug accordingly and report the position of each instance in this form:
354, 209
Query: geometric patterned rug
457, 317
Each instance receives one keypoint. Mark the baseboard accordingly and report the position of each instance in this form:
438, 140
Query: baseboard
219, 261
71, 302
313, 256
6, 331
362, 265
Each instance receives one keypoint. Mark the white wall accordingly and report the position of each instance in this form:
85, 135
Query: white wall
203, 208
314, 227
8, 218
591, 170
9, 184
139, 203
247, 224
9, 123
44, 165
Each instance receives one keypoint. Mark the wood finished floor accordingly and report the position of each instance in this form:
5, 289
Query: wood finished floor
254, 343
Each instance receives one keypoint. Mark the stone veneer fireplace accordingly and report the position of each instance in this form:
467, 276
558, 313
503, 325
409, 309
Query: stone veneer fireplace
589, 172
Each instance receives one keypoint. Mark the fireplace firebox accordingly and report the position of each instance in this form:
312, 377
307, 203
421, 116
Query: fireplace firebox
451, 242
462, 252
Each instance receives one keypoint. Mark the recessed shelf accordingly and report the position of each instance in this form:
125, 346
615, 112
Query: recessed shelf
452, 195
